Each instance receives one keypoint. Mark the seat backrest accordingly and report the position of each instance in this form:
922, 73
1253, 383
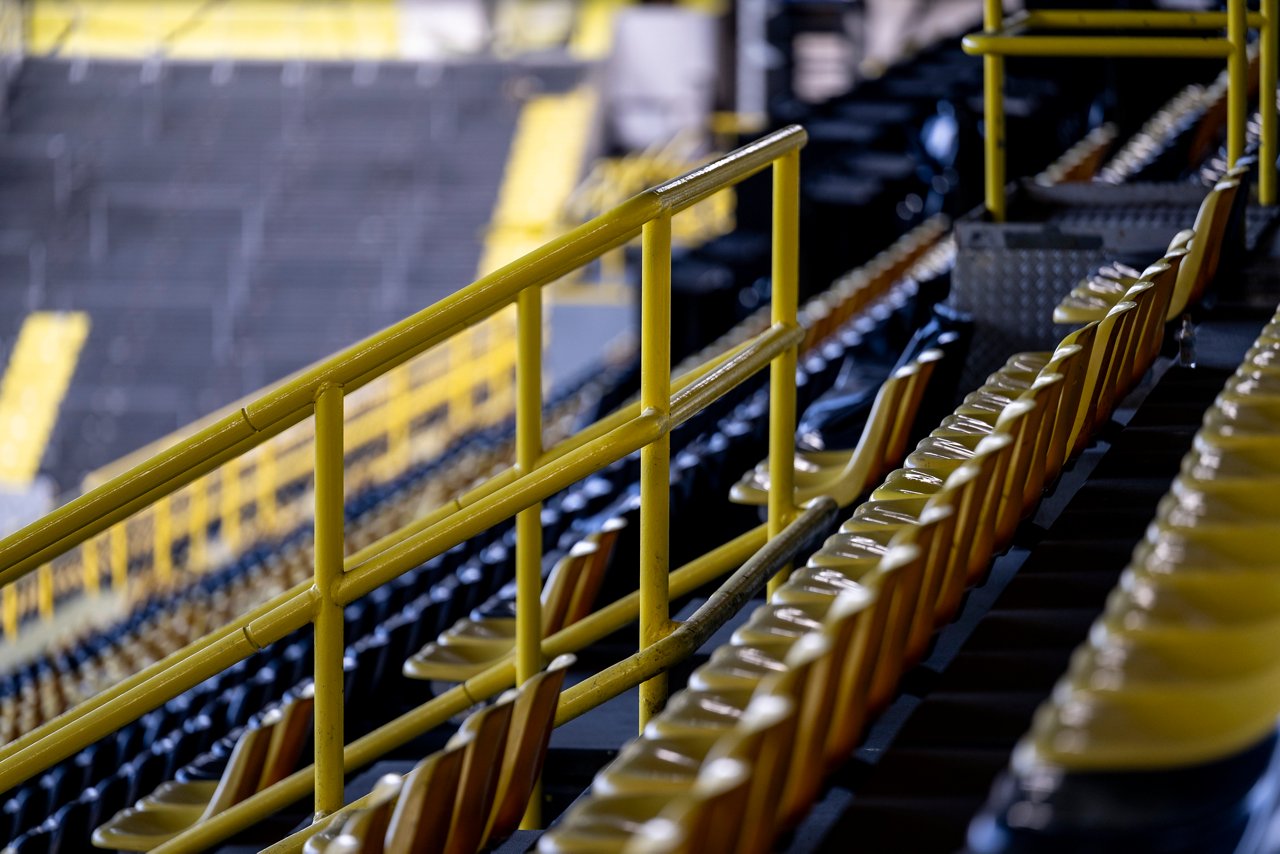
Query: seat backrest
1120, 361
1046, 392
707, 819
1070, 361
763, 739
532, 719
898, 577
1204, 250
980, 482
592, 576
846, 624
913, 396
924, 535
484, 735
947, 581
798, 682
420, 820
244, 767
288, 738
1096, 397
1020, 420
368, 826
1220, 216
1079, 389
557, 594
867, 460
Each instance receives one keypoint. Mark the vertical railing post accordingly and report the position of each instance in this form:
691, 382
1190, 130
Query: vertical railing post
1237, 80
782, 373
400, 389
10, 608
198, 523
993, 115
328, 618
229, 532
1270, 50
44, 591
91, 566
529, 520
162, 543
264, 515
119, 551
655, 458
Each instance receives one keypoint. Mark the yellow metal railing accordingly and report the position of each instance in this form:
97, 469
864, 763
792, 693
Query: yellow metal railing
402, 417
539, 472
1015, 36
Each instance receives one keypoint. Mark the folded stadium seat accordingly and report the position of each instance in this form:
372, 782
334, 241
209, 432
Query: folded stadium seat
1162, 732
1197, 266
846, 476
604, 821
264, 754
658, 763
480, 640
860, 547
488, 769
708, 817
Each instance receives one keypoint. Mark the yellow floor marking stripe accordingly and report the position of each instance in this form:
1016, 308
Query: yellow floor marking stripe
544, 165
39, 373
239, 29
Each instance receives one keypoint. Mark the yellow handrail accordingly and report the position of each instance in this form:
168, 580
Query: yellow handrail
539, 473
378, 425
1001, 37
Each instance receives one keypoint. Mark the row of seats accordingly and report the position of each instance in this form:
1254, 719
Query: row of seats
1193, 256
471, 794
1171, 696
836, 637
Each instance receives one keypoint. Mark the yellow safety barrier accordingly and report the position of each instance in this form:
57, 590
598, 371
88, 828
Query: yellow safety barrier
406, 416
1014, 36
539, 472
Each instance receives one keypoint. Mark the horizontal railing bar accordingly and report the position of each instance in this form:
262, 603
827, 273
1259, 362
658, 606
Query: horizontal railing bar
599, 428
525, 491
119, 498
291, 401
242, 623
690, 635
161, 682
153, 671
1185, 47
136, 701
759, 351
679, 193
1128, 19
497, 678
